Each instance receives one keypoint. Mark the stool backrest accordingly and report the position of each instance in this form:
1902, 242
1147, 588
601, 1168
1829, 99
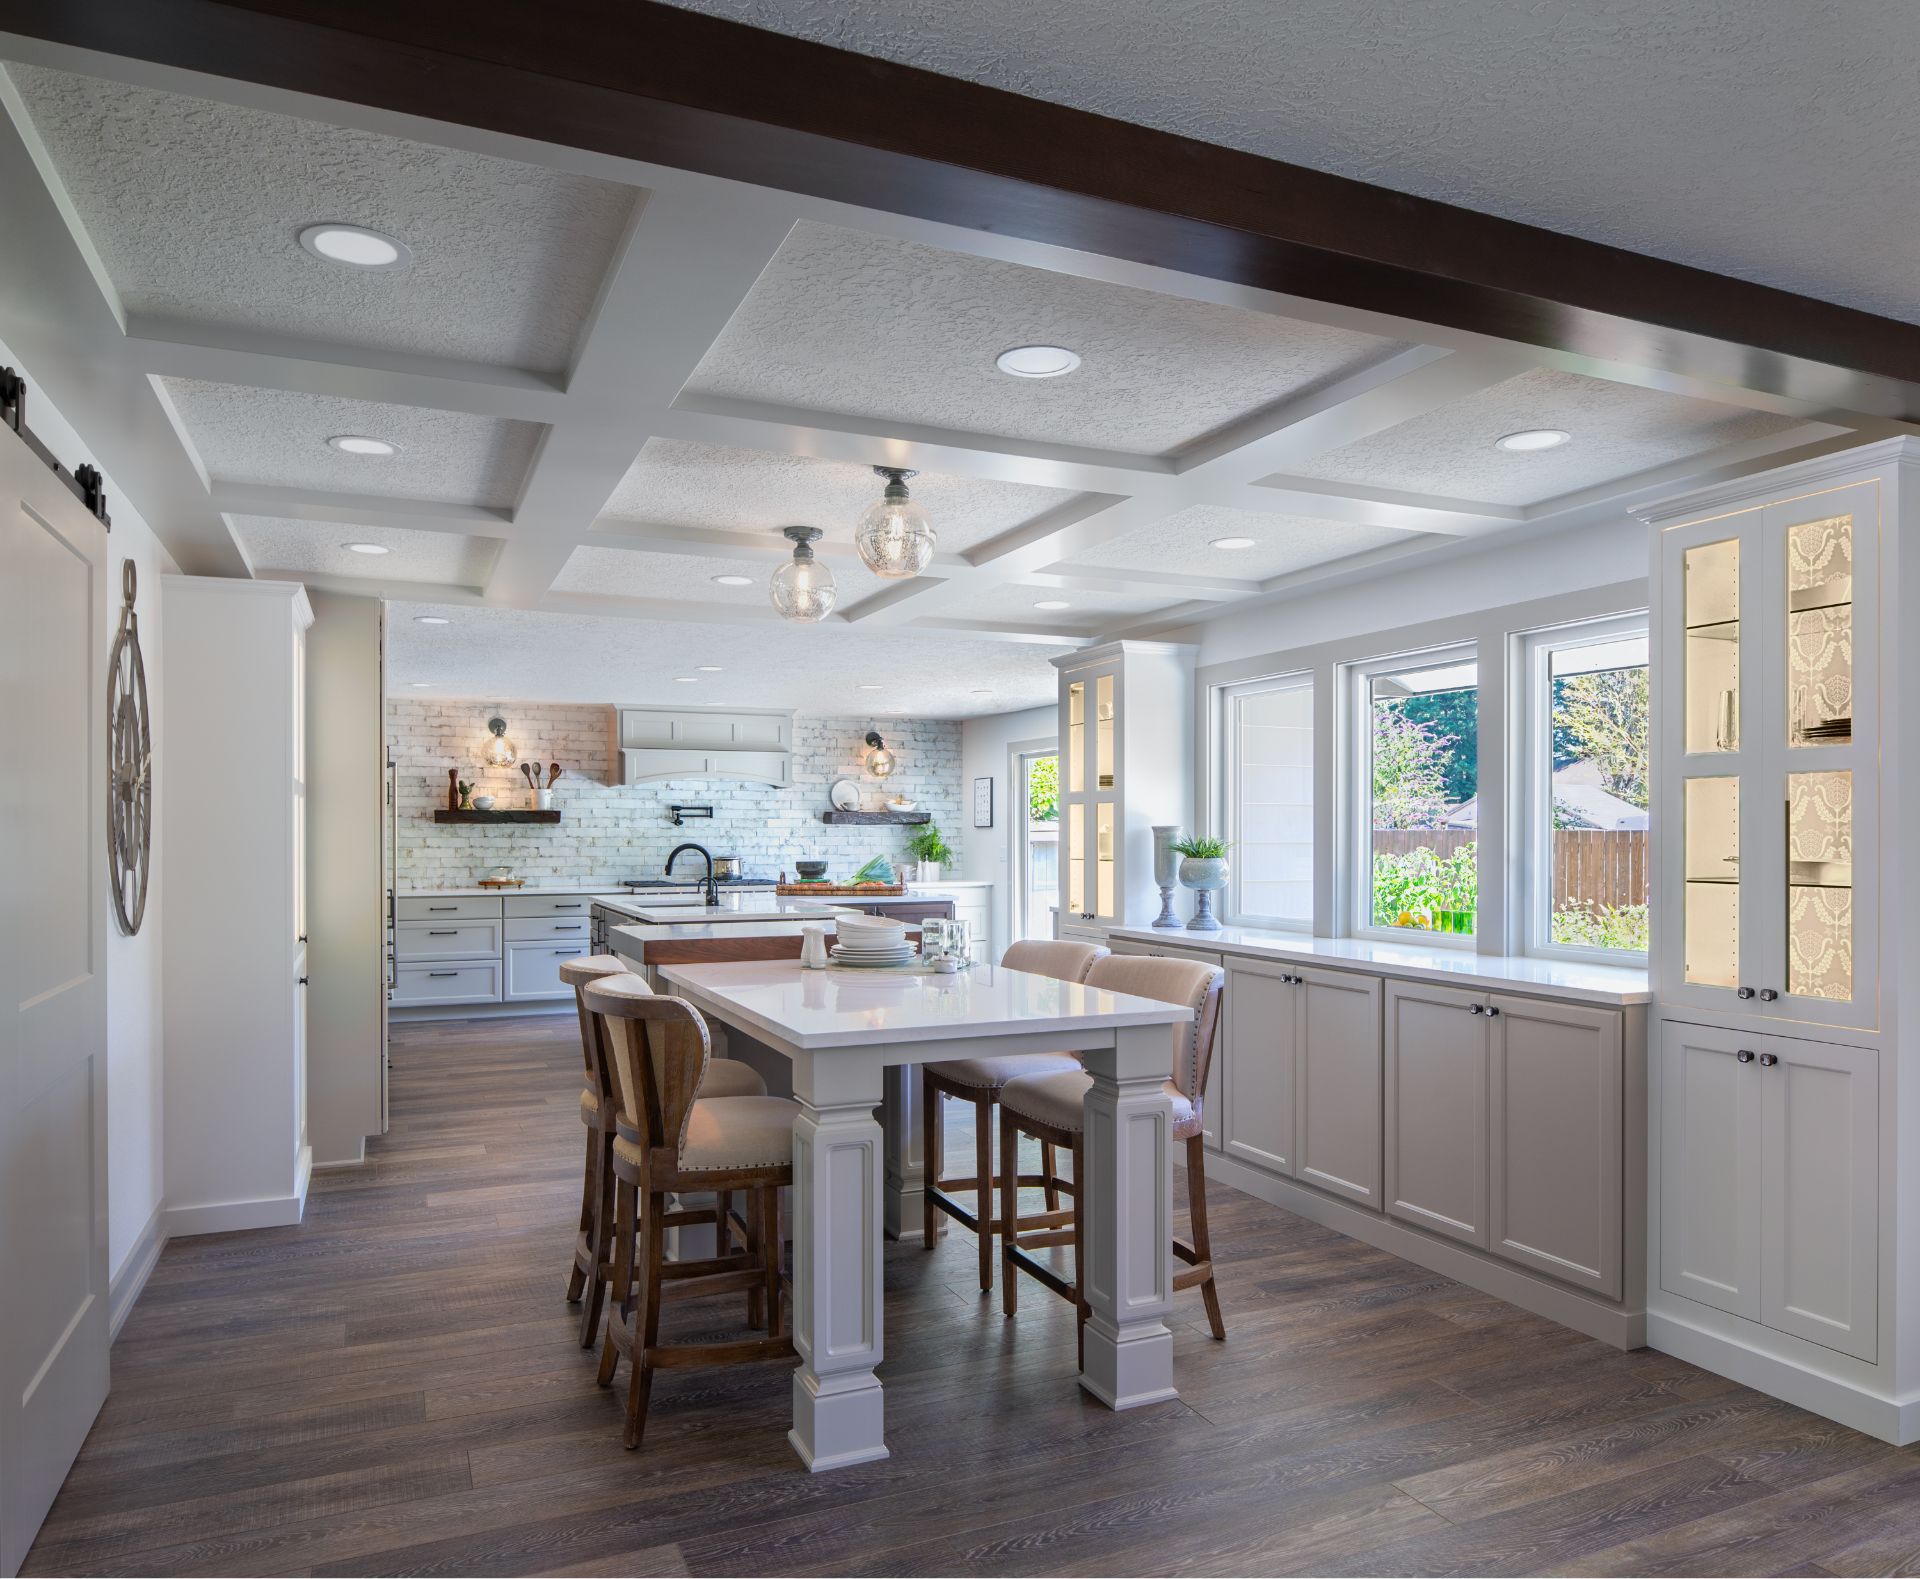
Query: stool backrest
1184, 981
576, 973
660, 1050
1061, 960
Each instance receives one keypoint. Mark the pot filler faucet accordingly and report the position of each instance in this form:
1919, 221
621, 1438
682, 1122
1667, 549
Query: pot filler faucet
713, 896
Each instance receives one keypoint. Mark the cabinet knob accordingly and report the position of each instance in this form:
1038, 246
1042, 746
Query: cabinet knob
1476, 1008
303, 981
1768, 994
1768, 1060
1744, 1056
1743, 992
1491, 1011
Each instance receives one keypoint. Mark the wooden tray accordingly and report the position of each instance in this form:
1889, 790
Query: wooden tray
501, 882
843, 890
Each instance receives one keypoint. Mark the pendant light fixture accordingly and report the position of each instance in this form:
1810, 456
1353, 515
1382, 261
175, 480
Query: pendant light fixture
802, 589
498, 751
880, 761
894, 537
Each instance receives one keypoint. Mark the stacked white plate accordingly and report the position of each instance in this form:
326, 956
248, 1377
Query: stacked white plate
871, 941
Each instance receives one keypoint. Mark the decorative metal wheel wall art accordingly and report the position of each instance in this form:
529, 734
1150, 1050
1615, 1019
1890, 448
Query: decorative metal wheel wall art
129, 766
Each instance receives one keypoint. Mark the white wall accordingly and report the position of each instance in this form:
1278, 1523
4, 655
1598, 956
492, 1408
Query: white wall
134, 1159
984, 753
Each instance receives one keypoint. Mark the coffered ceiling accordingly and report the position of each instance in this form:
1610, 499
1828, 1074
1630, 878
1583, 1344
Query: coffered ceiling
608, 383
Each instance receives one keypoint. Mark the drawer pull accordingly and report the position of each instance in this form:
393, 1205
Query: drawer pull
448, 932
567, 929
569, 952
443, 973
443, 907
566, 907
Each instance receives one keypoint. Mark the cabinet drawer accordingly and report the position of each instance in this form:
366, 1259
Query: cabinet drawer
446, 907
448, 939
573, 927
549, 905
533, 970
474, 982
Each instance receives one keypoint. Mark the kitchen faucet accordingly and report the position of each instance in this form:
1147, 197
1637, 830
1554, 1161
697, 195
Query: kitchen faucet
713, 895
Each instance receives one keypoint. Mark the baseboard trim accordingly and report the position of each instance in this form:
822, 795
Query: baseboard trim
415, 1014
125, 1286
1891, 1419
225, 1217
357, 1160
1614, 1324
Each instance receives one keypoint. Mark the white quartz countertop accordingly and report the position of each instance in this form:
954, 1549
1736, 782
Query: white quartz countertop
731, 908
1553, 978
495, 893
816, 1009
632, 940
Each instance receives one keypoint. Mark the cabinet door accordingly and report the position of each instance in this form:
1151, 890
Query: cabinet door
1819, 1217
1261, 1008
1710, 1167
1337, 1095
533, 970
1554, 1131
1436, 1109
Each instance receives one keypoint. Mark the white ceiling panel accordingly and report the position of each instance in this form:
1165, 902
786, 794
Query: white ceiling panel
275, 545
676, 482
1182, 544
276, 437
1617, 430
1013, 604
894, 331
508, 655
195, 209
688, 578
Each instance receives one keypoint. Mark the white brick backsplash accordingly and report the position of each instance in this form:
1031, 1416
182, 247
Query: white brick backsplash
608, 832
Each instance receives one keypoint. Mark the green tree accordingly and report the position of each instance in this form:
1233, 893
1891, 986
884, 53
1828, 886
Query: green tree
1456, 715
1409, 769
1603, 718
1043, 789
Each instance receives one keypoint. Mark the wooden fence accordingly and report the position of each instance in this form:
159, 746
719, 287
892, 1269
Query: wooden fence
1604, 867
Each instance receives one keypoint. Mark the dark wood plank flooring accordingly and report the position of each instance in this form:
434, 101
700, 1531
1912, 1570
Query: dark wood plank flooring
395, 1387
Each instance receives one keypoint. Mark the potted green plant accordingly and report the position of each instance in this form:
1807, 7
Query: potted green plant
1203, 868
931, 850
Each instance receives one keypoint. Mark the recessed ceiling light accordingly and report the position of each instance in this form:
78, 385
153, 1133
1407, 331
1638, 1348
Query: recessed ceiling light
360, 444
1232, 542
357, 245
367, 548
431, 619
1037, 361
982, 693
708, 668
423, 685
686, 679
734, 581
872, 688
1533, 439
1053, 603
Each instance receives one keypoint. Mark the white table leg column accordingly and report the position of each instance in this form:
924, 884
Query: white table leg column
1128, 1222
906, 1168
837, 1414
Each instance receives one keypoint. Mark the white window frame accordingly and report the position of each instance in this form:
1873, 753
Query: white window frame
1227, 734
1533, 735
1356, 791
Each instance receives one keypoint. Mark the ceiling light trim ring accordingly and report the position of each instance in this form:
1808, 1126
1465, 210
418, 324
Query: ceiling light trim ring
313, 238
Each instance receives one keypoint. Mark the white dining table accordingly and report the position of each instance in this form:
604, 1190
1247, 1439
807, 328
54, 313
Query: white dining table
842, 1029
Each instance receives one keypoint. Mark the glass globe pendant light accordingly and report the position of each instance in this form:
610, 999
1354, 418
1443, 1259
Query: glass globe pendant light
802, 589
894, 537
880, 761
498, 751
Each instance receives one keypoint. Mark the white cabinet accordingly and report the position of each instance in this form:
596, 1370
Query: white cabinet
533, 970
654, 743
439, 982
1260, 1021
564, 906
1126, 764
1436, 1109
1770, 1180
480, 951
417, 940
1337, 1088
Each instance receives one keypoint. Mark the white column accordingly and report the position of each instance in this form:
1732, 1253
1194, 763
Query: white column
906, 1167
1129, 1220
837, 1414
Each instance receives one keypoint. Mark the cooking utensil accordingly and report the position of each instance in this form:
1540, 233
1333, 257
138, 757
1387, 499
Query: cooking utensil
553, 774
526, 772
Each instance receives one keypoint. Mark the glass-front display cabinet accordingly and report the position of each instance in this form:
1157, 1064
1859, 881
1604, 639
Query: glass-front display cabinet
1768, 734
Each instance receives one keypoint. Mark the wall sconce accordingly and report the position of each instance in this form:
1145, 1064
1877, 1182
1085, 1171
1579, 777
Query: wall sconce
498, 751
880, 761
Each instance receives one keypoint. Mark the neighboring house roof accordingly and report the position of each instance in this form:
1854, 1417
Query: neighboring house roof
1577, 794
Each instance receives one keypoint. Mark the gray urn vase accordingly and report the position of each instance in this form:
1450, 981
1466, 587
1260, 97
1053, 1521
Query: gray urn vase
1205, 876
1165, 868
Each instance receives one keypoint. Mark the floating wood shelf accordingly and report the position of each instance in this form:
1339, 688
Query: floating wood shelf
870, 818
441, 814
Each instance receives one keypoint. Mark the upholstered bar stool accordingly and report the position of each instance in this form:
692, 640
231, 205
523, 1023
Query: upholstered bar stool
672, 1139
599, 1109
1051, 1108
978, 1081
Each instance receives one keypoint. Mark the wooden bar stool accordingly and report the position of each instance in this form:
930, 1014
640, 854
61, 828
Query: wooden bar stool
1051, 1108
599, 1109
978, 1081
671, 1139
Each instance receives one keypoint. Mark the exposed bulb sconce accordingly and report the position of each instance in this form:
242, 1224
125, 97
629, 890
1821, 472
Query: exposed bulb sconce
894, 537
802, 589
498, 751
880, 761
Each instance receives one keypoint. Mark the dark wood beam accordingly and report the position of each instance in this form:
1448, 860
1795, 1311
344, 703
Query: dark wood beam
651, 82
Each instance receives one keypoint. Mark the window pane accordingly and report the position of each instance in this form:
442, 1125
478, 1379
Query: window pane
1423, 724
1598, 771
1271, 816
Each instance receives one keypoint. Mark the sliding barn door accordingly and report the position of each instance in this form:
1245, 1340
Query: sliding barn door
53, 989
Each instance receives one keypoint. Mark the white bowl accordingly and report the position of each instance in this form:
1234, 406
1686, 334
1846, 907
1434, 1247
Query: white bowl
483, 803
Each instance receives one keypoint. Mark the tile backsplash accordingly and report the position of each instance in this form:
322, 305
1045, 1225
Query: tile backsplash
607, 832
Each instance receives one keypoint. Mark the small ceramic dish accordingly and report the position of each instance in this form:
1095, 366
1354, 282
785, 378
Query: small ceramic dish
483, 803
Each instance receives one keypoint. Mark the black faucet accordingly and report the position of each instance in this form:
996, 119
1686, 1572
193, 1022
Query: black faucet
713, 896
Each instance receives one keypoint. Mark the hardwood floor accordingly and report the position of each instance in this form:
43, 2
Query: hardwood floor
396, 1386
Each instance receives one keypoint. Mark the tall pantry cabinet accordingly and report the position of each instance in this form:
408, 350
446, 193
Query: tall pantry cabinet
1786, 1083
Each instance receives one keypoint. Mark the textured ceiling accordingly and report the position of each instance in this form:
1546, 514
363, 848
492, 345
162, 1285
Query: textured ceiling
1013, 604
1773, 140
273, 544
678, 483
868, 326
195, 209
277, 437
688, 578
1181, 544
510, 655
1616, 430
